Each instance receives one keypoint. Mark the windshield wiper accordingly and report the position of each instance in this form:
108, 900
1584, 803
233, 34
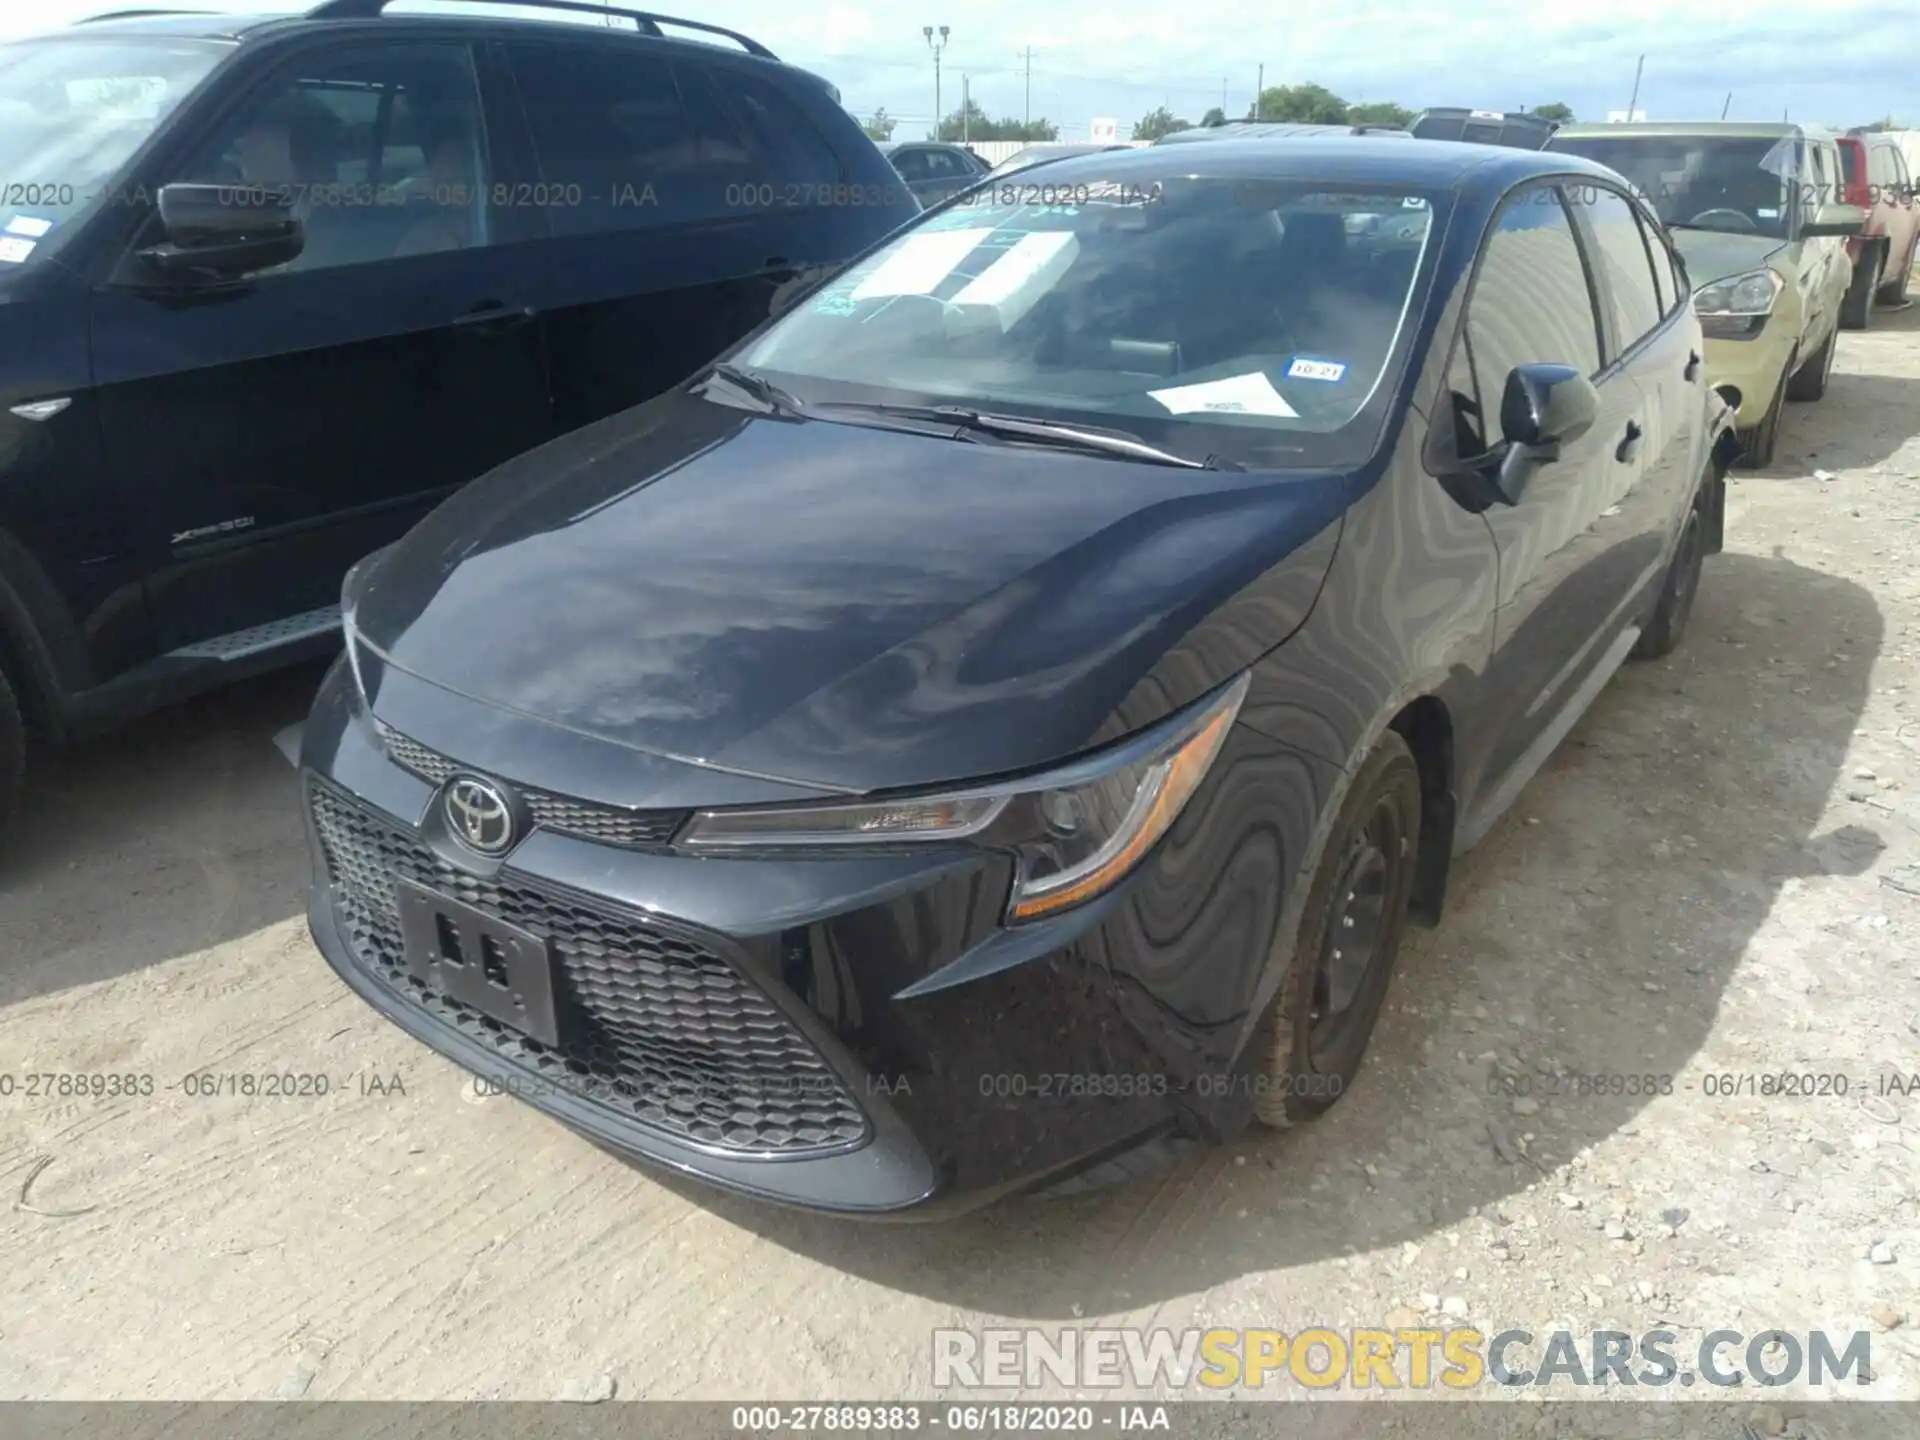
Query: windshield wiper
1098, 440
759, 387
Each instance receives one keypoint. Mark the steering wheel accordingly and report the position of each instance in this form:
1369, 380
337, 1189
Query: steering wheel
1746, 225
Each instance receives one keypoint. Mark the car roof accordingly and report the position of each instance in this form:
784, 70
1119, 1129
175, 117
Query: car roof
1705, 129
225, 26
1262, 129
1431, 164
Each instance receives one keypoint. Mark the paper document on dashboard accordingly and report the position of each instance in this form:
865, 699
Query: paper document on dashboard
1251, 394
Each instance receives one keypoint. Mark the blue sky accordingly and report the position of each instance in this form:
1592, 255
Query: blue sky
1834, 62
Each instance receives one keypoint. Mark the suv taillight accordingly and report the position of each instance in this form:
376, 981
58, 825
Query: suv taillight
1855, 190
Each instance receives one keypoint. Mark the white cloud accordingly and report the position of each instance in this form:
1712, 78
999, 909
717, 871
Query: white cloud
1843, 62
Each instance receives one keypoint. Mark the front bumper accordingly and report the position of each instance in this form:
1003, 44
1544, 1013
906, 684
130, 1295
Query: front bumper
1753, 368
856, 1034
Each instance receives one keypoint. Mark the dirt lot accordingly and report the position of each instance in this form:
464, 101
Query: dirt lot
1716, 876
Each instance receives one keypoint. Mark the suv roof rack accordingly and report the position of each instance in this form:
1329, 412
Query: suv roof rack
139, 15
647, 22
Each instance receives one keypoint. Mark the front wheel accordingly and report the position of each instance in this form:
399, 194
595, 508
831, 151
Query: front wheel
1759, 444
1349, 937
13, 752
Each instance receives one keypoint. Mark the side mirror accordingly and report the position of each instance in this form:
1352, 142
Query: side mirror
224, 230
1833, 218
1543, 408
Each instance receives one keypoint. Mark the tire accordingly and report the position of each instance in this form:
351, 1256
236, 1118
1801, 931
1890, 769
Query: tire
1682, 583
1759, 445
1856, 311
1809, 382
1894, 291
13, 753
1359, 891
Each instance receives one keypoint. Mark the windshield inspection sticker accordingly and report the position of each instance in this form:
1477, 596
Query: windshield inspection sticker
31, 226
1309, 367
14, 250
1242, 395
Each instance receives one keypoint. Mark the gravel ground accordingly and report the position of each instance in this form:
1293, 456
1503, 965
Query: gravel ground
1718, 876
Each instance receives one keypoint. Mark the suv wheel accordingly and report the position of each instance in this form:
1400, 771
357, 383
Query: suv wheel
1809, 382
1759, 445
1856, 311
1349, 937
13, 752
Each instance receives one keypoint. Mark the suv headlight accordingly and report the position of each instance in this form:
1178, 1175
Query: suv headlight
1736, 308
1077, 831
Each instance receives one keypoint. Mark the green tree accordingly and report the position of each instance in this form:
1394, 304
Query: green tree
1215, 116
972, 123
1380, 112
1302, 104
1158, 122
880, 125
1555, 111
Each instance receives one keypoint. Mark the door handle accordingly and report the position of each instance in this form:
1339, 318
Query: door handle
1692, 372
490, 317
1629, 444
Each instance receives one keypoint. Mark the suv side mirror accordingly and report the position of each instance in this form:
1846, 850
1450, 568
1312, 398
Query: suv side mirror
1543, 408
1833, 218
224, 230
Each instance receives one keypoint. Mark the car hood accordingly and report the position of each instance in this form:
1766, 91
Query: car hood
841, 606
1713, 255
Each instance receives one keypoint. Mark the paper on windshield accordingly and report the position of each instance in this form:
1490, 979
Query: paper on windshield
923, 260
14, 250
1013, 284
31, 226
1251, 394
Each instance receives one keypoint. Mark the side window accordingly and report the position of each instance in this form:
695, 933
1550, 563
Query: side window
912, 165
1531, 304
1902, 177
381, 151
945, 165
800, 154
1662, 265
616, 145
1629, 269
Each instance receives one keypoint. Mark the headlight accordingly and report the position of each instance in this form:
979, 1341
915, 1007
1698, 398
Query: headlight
1750, 294
1078, 831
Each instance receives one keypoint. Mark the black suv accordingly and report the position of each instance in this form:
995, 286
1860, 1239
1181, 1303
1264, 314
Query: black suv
296, 279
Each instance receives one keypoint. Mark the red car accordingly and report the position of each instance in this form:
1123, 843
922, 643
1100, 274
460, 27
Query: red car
1875, 177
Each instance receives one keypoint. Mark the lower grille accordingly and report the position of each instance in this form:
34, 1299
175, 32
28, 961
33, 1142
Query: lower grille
655, 1027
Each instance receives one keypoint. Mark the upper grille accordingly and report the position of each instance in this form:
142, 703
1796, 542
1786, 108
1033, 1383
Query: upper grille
653, 1026
633, 829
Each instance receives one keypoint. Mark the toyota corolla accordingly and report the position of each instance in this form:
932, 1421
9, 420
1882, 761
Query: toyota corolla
996, 722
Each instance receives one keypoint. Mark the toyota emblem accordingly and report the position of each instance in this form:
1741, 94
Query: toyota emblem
479, 816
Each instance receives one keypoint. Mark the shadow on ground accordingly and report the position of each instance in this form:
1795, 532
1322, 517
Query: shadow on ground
156, 840
1648, 853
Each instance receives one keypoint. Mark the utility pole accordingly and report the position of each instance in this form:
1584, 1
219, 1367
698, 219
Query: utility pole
1223, 97
966, 109
1260, 94
1026, 118
1636, 86
1728, 106
936, 46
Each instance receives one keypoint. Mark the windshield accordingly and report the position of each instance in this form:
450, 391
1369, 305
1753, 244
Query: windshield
1250, 320
72, 111
1738, 185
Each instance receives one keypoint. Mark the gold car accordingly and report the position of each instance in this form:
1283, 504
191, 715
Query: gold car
1755, 212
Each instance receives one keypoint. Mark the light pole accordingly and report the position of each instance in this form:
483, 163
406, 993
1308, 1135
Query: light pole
936, 46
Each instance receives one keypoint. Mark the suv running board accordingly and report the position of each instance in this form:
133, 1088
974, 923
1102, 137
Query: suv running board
258, 639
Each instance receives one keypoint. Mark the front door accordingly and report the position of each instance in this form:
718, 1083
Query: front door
272, 430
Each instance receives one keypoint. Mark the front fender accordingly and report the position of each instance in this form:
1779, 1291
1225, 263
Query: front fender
1723, 448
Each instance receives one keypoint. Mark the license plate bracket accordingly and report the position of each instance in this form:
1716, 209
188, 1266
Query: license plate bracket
500, 970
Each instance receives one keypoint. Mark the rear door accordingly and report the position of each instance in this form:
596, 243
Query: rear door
680, 194
270, 431
1534, 300
1644, 310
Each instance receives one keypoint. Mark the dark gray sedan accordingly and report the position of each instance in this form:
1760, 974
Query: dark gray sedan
934, 169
